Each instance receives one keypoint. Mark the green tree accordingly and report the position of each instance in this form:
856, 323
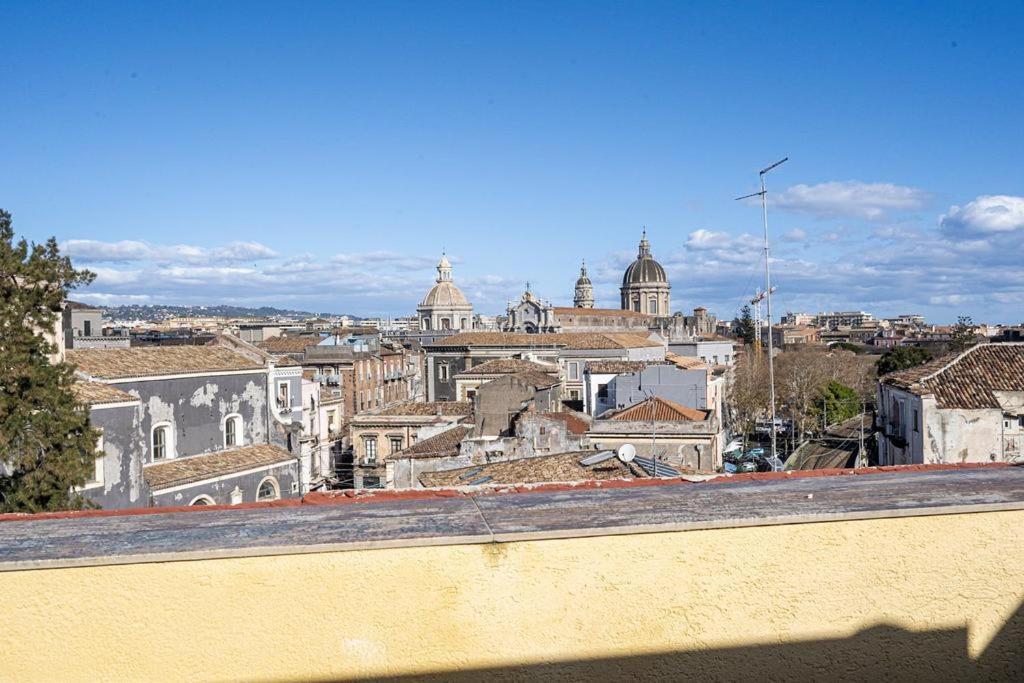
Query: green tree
745, 326
46, 443
963, 336
901, 358
837, 402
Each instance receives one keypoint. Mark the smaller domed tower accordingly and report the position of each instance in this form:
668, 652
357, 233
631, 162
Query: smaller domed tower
584, 290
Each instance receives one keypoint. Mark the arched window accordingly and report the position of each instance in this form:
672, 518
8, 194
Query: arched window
636, 305
202, 500
465, 324
426, 323
446, 323
268, 490
162, 441
652, 305
232, 430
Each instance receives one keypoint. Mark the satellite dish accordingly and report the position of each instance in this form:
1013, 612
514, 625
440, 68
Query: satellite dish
626, 452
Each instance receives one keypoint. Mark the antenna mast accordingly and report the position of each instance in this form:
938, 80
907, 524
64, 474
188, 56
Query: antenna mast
763, 194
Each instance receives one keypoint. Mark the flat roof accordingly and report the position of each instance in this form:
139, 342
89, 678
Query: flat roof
422, 518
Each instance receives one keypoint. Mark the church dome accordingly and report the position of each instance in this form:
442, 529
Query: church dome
444, 294
645, 270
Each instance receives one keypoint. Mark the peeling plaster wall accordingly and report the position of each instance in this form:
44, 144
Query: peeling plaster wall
197, 406
122, 459
917, 598
954, 436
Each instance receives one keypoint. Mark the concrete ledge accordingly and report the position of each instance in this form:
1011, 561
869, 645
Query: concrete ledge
438, 518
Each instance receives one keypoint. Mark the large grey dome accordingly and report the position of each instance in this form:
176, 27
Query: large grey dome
444, 294
645, 269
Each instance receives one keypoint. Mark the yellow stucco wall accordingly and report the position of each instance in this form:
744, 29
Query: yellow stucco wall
925, 597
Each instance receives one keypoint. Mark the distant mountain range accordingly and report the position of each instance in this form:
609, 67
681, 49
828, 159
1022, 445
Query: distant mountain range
135, 312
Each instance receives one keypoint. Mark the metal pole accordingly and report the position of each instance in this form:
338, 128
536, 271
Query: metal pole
768, 290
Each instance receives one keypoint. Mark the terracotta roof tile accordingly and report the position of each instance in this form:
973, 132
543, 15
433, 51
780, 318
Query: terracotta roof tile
686, 362
98, 393
561, 467
606, 367
443, 445
201, 467
659, 410
433, 408
573, 422
541, 380
570, 340
506, 366
290, 344
156, 361
967, 380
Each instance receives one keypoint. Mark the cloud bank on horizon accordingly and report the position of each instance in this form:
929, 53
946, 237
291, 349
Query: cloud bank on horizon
865, 246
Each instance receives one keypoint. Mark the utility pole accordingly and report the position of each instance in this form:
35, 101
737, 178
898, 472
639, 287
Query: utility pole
768, 292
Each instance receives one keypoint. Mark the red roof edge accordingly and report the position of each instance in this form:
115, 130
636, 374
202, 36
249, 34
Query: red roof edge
348, 496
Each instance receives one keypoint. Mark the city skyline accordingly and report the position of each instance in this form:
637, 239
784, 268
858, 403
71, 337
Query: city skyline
230, 162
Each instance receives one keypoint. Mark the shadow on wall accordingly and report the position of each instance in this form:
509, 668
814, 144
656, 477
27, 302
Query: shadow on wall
883, 652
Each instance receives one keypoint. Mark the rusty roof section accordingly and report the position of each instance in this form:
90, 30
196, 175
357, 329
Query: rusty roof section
98, 393
158, 360
432, 408
569, 340
506, 366
443, 445
201, 467
290, 344
558, 468
967, 380
574, 423
659, 410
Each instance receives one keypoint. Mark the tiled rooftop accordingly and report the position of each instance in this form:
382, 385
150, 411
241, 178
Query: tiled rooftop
446, 408
602, 312
98, 393
201, 467
659, 409
573, 422
967, 380
506, 366
685, 362
616, 367
561, 467
289, 344
156, 361
443, 445
569, 340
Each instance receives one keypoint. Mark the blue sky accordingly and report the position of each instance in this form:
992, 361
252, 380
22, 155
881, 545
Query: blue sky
320, 155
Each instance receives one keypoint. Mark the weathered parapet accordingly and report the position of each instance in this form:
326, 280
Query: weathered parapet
894, 575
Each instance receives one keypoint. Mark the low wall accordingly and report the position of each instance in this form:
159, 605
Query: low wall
924, 597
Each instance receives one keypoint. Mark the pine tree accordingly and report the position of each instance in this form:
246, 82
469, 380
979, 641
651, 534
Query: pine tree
963, 336
46, 444
745, 326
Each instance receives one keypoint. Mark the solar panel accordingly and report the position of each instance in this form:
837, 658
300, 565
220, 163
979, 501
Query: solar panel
597, 457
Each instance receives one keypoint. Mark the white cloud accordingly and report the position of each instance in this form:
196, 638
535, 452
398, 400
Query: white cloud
986, 215
850, 198
795, 235
89, 251
388, 258
125, 251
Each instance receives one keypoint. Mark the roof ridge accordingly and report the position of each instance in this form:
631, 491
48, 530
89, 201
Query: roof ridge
953, 361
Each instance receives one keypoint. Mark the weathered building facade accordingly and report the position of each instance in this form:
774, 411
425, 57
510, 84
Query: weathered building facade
967, 407
188, 403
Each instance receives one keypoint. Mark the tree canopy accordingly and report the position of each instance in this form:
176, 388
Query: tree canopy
901, 358
745, 327
47, 447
